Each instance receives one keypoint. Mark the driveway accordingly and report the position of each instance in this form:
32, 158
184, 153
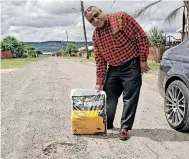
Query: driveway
36, 117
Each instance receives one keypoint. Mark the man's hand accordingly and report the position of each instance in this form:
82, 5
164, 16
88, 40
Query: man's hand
99, 87
144, 66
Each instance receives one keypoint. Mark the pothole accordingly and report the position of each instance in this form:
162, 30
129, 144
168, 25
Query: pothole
57, 147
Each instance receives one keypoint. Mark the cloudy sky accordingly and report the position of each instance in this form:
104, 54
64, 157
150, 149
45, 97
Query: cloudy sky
44, 20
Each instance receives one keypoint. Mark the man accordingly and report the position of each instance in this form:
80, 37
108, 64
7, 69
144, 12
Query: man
121, 43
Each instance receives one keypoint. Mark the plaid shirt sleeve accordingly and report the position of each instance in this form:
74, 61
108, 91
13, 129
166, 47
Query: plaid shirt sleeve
101, 64
135, 32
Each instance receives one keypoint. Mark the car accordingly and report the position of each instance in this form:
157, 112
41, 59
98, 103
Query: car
173, 84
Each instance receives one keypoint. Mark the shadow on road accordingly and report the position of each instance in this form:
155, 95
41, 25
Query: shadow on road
153, 134
161, 134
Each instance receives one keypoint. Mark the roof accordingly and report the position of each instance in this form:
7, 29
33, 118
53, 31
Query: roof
180, 30
83, 48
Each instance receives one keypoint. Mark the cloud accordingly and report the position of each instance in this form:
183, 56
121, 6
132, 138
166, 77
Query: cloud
58, 7
41, 20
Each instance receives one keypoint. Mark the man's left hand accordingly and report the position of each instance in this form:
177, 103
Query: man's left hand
144, 66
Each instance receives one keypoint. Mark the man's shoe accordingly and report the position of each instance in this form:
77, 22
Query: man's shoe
123, 135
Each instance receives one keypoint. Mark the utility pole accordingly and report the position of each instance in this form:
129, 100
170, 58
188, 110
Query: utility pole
84, 30
67, 43
67, 35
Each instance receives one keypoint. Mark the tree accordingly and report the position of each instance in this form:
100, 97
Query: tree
19, 49
158, 41
171, 16
157, 37
71, 49
31, 51
39, 52
61, 52
9, 43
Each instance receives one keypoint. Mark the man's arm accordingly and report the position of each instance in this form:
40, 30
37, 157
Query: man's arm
138, 37
101, 65
142, 43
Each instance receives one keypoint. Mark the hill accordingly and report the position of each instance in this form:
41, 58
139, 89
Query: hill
51, 46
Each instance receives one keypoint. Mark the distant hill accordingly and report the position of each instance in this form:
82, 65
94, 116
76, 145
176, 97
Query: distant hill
51, 46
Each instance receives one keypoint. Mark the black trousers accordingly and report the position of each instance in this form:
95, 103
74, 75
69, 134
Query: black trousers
126, 79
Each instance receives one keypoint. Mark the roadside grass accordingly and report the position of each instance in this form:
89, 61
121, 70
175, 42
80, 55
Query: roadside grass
154, 66
17, 62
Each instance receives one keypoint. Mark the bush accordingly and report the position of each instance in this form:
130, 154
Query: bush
14, 56
71, 48
157, 40
73, 54
92, 54
61, 52
157, 37
39, 52
24, 55
18, 48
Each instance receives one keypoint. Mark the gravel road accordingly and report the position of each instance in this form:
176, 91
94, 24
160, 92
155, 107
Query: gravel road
36, 117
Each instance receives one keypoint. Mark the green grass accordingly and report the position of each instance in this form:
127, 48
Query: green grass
154, 66
16, 62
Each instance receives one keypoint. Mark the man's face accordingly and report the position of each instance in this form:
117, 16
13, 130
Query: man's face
96, 17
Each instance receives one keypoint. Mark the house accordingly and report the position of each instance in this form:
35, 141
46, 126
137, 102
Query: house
83, 52
6, 55
184, 34
90, 48
48, 53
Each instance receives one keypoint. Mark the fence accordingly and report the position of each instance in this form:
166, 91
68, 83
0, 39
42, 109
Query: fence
6, 55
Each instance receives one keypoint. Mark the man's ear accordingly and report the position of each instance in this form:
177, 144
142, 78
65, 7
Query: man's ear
100, 10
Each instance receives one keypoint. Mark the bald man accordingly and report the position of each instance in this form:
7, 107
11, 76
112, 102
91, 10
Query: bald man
120, 43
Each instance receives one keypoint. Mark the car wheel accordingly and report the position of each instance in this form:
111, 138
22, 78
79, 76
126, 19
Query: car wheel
176, 106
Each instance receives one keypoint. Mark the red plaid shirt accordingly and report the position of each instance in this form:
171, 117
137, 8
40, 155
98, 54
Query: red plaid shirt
118, 42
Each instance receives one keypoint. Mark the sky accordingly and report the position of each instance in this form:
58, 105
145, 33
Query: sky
48, 20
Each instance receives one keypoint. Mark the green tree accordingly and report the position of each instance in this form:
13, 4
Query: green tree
157, 37
157, 40
61, 52
171, 16
20, 51
39, 52
9, 44
71, 49
18, 48
31, 51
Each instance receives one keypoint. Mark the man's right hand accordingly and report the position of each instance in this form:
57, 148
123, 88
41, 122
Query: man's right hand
99, 87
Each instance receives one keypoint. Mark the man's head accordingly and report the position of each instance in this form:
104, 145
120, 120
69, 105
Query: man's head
95, 17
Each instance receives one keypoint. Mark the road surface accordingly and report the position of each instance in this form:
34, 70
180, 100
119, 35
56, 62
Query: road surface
36, 117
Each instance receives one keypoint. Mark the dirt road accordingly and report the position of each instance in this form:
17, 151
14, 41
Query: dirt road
36, 111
